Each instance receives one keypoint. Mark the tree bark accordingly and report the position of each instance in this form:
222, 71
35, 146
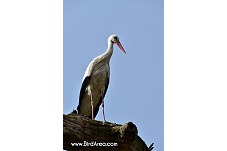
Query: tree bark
84, 134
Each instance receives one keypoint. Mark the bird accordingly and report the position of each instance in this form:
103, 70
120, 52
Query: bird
96, 80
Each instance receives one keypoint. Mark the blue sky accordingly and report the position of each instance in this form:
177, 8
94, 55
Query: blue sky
136, 89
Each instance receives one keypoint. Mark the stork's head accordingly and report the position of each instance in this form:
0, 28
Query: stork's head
115, 39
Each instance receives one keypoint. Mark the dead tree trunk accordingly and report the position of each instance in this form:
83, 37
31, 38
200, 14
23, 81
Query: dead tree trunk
83, 134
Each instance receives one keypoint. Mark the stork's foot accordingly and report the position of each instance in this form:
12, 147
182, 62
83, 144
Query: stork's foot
103, 122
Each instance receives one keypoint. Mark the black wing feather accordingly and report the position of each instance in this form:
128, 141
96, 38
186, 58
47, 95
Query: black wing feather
82, 91
96, 109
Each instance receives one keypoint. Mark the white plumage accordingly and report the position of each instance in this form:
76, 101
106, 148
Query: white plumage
96, 81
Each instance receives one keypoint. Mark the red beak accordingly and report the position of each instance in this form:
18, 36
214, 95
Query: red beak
120, 46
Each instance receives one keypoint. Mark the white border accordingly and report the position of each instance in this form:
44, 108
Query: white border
31, 75
195, 75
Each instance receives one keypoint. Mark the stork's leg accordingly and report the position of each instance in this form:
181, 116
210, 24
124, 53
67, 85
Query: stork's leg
103, 110
92, 107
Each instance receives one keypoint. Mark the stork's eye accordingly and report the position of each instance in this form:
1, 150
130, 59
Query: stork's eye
116, 38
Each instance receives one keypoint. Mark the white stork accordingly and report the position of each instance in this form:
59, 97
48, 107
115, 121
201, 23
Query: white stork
96, 81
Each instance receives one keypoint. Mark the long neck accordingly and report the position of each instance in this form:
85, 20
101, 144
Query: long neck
107, 55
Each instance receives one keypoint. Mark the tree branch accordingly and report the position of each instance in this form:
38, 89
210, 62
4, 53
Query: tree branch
93, 134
